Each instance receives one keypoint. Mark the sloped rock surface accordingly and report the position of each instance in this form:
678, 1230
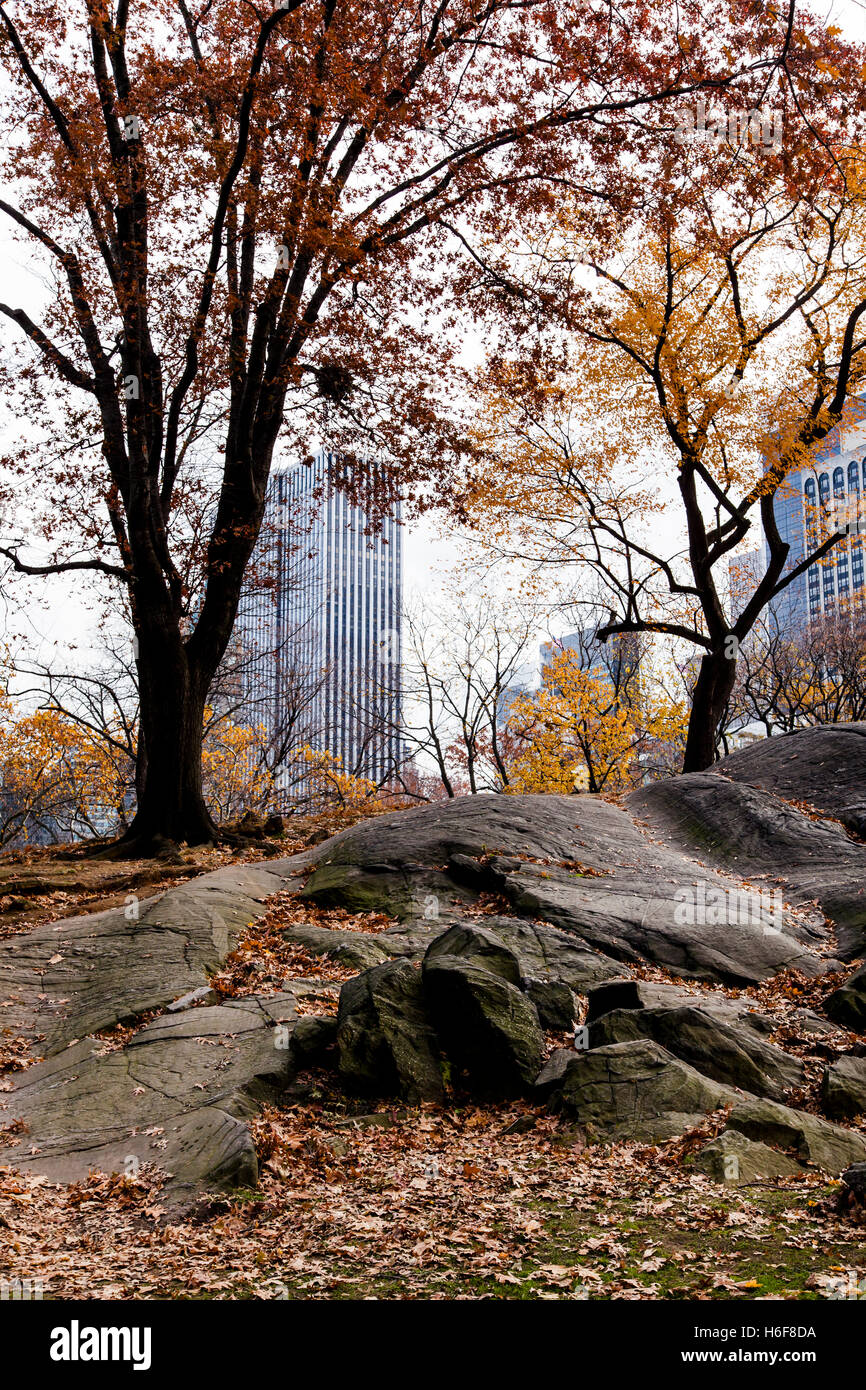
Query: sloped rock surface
825, 766
649, 994
548, 953
637, 917
811, 1139
578, 863
175, 1096
361, 949
70, 978
748, 830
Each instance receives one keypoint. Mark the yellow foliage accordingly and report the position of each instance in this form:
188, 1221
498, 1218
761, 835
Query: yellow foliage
234, 778
578, 733
56, 777
327, 784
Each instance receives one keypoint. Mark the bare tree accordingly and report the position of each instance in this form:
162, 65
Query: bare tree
464, 658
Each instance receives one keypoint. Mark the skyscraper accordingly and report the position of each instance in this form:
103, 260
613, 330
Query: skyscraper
320, 623
814, 502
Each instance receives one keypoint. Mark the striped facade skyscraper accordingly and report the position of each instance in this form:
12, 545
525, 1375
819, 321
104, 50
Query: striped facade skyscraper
320, 624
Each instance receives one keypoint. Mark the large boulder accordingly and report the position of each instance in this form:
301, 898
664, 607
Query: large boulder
847, 1005
732, 1158
577, 863
636, 1090
384, 1039
547, 953
811, 1139
732, 1055
483, 948
843, 1088
416, 863
489, 1030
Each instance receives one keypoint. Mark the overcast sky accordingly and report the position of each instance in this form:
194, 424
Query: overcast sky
429, 547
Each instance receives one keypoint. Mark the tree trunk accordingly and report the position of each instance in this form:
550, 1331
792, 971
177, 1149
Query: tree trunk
171, 804
712, 689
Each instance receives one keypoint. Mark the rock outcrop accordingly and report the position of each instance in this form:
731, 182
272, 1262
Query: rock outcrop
512, 918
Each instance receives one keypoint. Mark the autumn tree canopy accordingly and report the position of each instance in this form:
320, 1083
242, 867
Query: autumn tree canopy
247, 218
702, 360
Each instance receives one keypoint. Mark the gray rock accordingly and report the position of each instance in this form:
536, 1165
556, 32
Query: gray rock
847, 1005
852, 1192
176, 1096
384, 1039
484, 948
554, 1069
203, 995
734, 1056
488, 1029
825, 766
813, 1140
624, 993
746, 829
360, 949
637, 915
637, 1090
312, 1035
843, 1088
537, 851
67, 979
407, 891
555, 1004
732, 1158
547, 953
648, 994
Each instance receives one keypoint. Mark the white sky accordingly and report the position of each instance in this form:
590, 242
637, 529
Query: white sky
430, 551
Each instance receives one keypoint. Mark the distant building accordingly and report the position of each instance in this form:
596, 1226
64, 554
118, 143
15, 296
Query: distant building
828, 495
523, 682
613, 662
319, 624
744, 574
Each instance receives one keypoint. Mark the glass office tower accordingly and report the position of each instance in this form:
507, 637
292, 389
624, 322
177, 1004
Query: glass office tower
319, 623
